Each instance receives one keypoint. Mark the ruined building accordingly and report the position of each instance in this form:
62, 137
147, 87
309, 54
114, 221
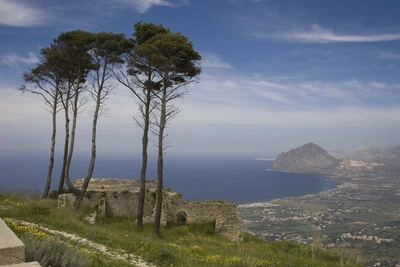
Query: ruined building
119, 197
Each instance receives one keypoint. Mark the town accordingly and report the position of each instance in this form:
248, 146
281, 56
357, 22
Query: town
361, 216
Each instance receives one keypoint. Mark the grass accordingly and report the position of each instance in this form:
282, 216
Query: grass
289, 227
179, 245
249, 215
303, 205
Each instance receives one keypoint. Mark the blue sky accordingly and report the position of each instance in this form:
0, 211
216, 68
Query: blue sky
275, 74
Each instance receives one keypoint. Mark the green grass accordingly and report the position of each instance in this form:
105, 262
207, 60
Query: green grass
303, 205
289, 227
249, 215
179, 245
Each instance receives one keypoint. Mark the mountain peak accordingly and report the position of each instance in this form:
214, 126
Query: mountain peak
307, 158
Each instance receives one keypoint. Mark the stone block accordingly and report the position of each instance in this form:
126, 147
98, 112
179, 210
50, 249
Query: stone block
12, 250
26, 264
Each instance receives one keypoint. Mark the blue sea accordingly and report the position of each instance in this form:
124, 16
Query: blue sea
238, 179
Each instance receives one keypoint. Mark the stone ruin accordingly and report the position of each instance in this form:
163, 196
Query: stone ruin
12, 249
119, 197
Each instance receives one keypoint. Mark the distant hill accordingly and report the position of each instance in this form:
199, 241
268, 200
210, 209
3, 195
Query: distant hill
307, 158
368, 153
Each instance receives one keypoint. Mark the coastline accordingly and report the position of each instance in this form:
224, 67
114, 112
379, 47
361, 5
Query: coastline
275, 170
270, 203
341, 185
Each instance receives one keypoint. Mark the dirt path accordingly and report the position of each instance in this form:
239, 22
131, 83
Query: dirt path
112, 253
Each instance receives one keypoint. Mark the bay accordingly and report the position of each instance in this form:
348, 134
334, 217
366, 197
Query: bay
235, 178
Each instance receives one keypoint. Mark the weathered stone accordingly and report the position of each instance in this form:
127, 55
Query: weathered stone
223, 214
91, 219
12, 250
121, 199
115, 185
102, 206
26, 264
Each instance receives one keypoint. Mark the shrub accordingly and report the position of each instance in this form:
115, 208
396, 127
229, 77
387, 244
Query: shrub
38, 209
52, 252
166, 257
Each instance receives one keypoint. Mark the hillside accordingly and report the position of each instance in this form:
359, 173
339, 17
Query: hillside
368, 153
307, 158
115, 241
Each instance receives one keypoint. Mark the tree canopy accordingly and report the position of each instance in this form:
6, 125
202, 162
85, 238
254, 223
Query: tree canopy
159, 64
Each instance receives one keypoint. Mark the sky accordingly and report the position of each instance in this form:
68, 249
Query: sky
276, 74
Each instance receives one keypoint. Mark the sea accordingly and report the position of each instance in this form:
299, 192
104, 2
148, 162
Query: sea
239, 179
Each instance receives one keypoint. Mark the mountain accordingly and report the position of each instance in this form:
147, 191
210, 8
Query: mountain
368, 153
307, 158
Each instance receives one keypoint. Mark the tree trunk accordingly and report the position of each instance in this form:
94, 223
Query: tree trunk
53, 144
79, 197
78, 201
64, 164
66, 145
145, 141
75, 107
160, 163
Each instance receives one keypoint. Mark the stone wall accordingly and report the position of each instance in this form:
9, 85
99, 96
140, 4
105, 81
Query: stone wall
223, 214
113, 197
111, 203
118, 197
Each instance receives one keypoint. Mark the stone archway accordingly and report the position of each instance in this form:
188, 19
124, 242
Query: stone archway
181, 217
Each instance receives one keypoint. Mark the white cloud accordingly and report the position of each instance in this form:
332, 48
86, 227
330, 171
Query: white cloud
318, 91
15, 106
17, 13
211, 60
12, 59
305, 116
143, 5
220, 107
378, 85
388, 55
235, 89
317, 34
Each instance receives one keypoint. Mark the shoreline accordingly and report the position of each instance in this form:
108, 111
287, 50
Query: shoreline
341, 185
327, 173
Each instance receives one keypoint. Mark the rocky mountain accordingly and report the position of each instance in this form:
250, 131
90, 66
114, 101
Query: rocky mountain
307, 158
368, 153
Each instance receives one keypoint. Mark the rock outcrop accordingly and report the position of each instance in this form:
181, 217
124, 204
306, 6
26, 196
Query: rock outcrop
307, 158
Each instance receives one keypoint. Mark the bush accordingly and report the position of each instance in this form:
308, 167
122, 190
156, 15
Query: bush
166, 257
52, 252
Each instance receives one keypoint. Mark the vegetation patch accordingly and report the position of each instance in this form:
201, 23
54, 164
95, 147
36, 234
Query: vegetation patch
53, 252
303, 205
180, 245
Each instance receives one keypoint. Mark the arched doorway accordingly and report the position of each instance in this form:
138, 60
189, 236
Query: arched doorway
181, 217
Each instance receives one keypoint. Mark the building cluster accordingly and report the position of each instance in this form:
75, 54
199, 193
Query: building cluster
330, 210
366, 238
